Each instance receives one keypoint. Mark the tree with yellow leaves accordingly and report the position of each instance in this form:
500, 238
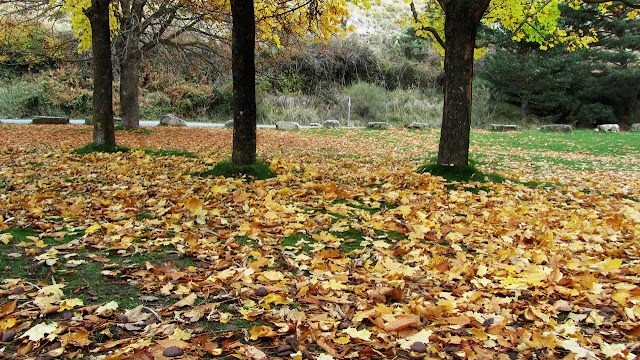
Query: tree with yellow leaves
141, 24
454, 25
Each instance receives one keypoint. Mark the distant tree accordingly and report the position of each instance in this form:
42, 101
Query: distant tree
103, 127
602, 79
454, 25
28, 40
139, 26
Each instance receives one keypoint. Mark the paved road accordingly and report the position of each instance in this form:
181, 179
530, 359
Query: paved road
142, 123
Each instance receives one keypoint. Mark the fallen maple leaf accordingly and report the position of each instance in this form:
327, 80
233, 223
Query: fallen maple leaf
8, 308
188, 300
6, 238
363, 334
40, 331
107, 309
421, 336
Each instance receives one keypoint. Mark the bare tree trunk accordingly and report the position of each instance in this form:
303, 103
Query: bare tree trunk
129, 91
524, 109
244, 82
130, 56
462, 19
103, 128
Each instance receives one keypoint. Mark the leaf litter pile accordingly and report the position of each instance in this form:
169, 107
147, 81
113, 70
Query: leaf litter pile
347, 253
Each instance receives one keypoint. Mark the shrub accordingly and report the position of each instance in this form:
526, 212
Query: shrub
21, 98
595, 114
367, 101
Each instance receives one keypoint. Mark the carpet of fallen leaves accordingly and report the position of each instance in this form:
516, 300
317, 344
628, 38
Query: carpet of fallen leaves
347, 253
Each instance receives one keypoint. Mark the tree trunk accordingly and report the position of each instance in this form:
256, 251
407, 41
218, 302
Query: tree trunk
103, 128
462, 19
244, 82
129, 94
130, 56
524, 109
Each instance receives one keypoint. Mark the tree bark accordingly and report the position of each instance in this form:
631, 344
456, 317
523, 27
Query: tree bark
244, 82
130, 55
129, 91
524, 109
462, 19
103, 128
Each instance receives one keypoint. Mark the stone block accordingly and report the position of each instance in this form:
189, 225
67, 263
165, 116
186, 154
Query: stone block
606, 128
418, 126
378, 125
557, 128
287, 125
171, 120
503, 128
331, 124
50, 120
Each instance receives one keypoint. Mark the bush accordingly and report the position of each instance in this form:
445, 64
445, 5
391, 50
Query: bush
367, 101
592, 115
21, 99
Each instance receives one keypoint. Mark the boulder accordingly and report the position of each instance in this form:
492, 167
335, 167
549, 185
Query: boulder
331, 124
635, 127
50, 120
418, 126
557, 128
503, 128
171, 120
608, 128
229, 124
315, 125
287, 125
378, 125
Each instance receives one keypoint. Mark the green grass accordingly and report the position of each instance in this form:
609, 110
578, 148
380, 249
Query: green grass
460, 173
578, 150
93, 148
470, 173
583, 141
84, 279
257, 171
169, 152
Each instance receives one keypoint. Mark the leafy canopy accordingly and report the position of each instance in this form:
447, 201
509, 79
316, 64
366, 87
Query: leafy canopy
275, 20
527, 20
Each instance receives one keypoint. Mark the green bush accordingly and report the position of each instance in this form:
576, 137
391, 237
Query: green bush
595, 114
21, 99
367, 101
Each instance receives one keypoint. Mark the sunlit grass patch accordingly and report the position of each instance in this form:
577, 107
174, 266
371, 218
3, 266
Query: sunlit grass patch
257, 171
169, 152
93, 148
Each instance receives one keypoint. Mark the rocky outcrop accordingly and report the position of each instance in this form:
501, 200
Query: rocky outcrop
287, 125
378, 125
331, 124
503, 128
418, 126
557, 128
50, 120
606, 128
171, 120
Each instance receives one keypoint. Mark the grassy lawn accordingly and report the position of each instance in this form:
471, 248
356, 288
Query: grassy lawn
348, 251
